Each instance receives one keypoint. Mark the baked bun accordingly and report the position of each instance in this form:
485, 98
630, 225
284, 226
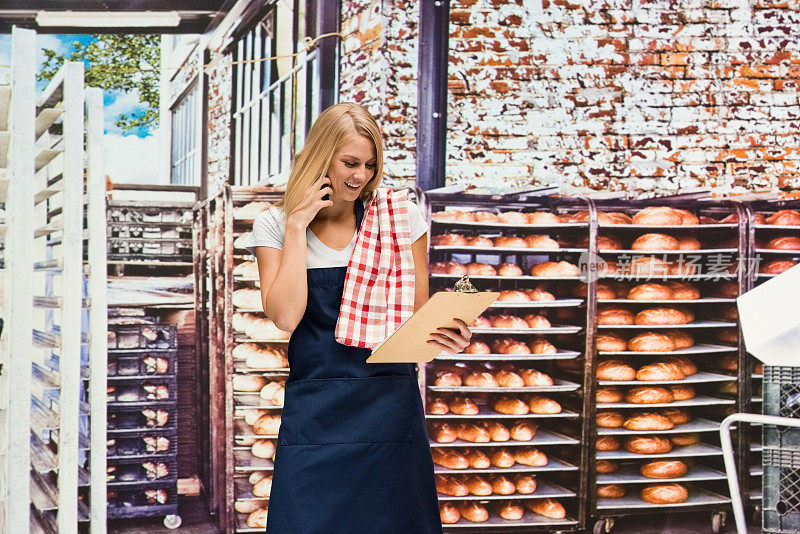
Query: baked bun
448, 267
784, 243
484, 216
547, 508
687, 217
728, 289
663, 469
604, 467
543, 405
542, 217
648, 395
445, 215
555, 268
683, 290
686, 365
534, 378
651, 342
478, 459
510, 406
513, 217
479, 241
682, 440
507, 345
542, 346
444, 433
507, 321
607, 395
536, 321
509, 269
523, 430
449, 240
611, 491
705, 219
641, 421
449, 458
508, 379
728, 362
463, 406
682, 392
437, 406
248, 383
257, 519
656, 215
448, 513
541, 242
473, 433
481, 269
647, 266
678, 416
647, 445
509, 241
509, 510
530, 456
263, 448
660, 316
611, 343
582, 216
728, 335
512, 295
247, 507
447, 379
615, 370
480, 379
477, 485
477, 347
665, 494
611, 315
604, 291
777, 266
681, 339
450, 485
784, 218
608, 443
655, 242
687, 242
650, 292
660, 371
525, 484
610, 418
503, 458
539, 295
256, 357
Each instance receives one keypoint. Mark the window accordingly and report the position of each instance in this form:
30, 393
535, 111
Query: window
275, 101
185, 150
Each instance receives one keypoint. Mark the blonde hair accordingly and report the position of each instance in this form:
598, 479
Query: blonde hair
333, 127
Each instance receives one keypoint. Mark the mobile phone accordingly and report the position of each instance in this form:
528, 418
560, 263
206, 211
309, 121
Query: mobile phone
326, 196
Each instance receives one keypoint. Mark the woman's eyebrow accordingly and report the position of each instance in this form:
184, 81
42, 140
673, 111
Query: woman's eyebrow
356, 157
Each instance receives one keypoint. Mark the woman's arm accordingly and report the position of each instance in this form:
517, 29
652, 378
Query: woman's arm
282, 273
419, 249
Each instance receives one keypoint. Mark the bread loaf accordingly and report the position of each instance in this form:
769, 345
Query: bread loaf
615, 370
543, 405
509, 379
525, 484
541, 242
542, 217
606, 466
449, 485
534, 378
609, 418
478, 379
477, 485
507, 321
657, 215
687, 242
608, 443
251, 210
477, 347
611, 491
784, 218
267, 425
247, 298
682, 392
650, 292
509, 510
448, 513
686, 365
512, 295
611, 343
500, 485
530, 456
510, 406
247, 507
647, 445
507, 241
550, 268
655, 241
473, 511
776, 266
248, 383
611, 315
263, 448
539, 295
473, 433
246, 269
660, 371
508, 345
678, 416
643, 421
647, 266
524, 430
263, 487
478, 460
444, 433
463, 406
479, 241
651, 342
257, 519
509, 269
663, 469
683, 290
497, 431
681, 339
536, 321
447, 379
665, 494
547, 508
607, 395
661, 316
449, 458
648, 395
542, 346
784, 243
437, 406
682, 440
503, 458
481, 269
264, 357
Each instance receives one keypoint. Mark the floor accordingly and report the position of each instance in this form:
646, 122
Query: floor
193, 512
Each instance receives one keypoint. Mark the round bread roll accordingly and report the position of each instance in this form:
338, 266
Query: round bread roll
728, 362
484, 216
678, 416
784, 243
503, 458
660, 316
539, 295
263, 487
480, 379
686, 365
509, 379
543, 405
655, 242
681, 339
610, 418
512, 295
269, 390
267, 358
465, 216
449, 240
608, 242
784, 218
728, 335
537, 321
448, 513
481, 269
611, 343
687, 242
510, 346
663, 469
509, 269
479, 241
604, 291
534, 378
687, 217
647, 266
479, 460
530, 456
477, 347
510, 406
513, 217
247, 507
257, 519
608, 443
553, 268
611, 315
542, 217
542, 346
508, 241
656, 215
445, 215
615, 370
248, 383
682, 440
525, 484
267, 425
643, 421
437, 406
508, 321
648, 395
263, 448
247, 298
609, 268
604, 467
477, 485
607, 395
447, 379
651, 342
660, 371
475, 433
463, 406
610, 491
523, 430
541, 242
682, 392
509, 510
665, 494
450, 485
683, 290
647, 445
444, 433
650, 292
777, 266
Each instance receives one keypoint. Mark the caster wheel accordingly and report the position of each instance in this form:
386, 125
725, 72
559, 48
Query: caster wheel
757, 515
598, 527
608, 524
172, 521
717, 522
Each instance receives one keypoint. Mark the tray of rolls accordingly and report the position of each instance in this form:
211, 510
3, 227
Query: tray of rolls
660, 496
477, 487
534, 514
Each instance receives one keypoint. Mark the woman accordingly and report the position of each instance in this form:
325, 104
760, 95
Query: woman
353, 453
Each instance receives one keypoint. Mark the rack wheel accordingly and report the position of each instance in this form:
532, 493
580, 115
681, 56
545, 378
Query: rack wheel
717, 522
172, 521
603, 525
757, 514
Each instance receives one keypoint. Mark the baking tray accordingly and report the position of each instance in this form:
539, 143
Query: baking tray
497, 277
630, 278
240, 367
485, 412
528, 520
657, 227
560, 355
241, 524
629, 474
697, 497
756, 446
695, 425
704, 300
242, 339
778, 251
510, 250
553, 464
544, 489
243, 430
245, 462
244, 491
555, 329
676, 252
524, 226
790, 227
700, 348
696, 324
252, 401
697, 378
558, 303
756, 470
699, 400
699, 449
542, 437
558, 386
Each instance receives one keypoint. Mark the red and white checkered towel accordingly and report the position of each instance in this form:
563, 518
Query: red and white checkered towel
379, 285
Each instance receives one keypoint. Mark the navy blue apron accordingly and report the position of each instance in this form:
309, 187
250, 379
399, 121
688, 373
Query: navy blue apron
352, 454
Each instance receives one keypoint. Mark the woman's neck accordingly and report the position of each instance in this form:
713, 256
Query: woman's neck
341, 211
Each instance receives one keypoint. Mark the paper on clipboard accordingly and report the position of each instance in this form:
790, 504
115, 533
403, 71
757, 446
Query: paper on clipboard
408, 344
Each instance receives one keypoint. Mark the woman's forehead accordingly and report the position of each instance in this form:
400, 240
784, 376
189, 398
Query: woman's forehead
357, 146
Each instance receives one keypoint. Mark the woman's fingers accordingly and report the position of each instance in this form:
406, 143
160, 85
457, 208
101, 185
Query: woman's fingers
464, 327
449, 342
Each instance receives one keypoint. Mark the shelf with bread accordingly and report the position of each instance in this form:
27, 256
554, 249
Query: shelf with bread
477, 462
485, 413
693, 426
660, 470
675, 497
482, 437
507, 515
474, 487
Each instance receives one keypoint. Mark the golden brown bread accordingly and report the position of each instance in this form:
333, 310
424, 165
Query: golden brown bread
512, 295
478, 460
608, 443
509, 510
449, 458
686, 365
543, 405
641, 421
503, 458
507, 321
477, 485
542, 217
687, 217
655, 241
611, 491
509, 269
534, 378
606, 466
541, 242
542, 346
485, 216
479, 241
444, 433
509, 379
681, 339
257, 519
497, 431
539, 295
728, 362
525, 484
650, 292
681, 440
658, 215
784, 243
507, 345
547, 507
536, 321
611, 342
477, 347
447, 379
678, 416
480, 379
606, 395
687, 242
523, 430
450, 485
683, 290
448, 513
647, 266
648, 395
510, 406
615, 370
647, 445
560, 268
437, 406
463, 406
661, 316
501, 485
473, 511
784, 218
776, 266
682, 392
651, 342
449, 240
665, 494
447, 267
481, 269
663, 469
507, 241
660, 371
612, 315
609, 418
530, 456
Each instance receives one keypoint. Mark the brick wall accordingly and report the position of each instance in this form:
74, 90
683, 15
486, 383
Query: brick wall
219, 121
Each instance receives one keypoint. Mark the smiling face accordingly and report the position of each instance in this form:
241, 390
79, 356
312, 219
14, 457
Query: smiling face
352, 166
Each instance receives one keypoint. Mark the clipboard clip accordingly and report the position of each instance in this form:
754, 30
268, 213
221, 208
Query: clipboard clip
464, 286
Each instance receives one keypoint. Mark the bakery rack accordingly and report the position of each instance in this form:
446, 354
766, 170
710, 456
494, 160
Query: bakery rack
560, 434
769, 466
705, 478
224, 228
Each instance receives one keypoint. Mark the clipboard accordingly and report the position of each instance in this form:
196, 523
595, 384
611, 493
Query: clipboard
408, 344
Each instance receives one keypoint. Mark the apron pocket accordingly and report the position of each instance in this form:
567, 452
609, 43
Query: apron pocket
314, 412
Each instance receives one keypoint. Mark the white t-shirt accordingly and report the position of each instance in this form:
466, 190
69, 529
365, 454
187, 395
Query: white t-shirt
270, 227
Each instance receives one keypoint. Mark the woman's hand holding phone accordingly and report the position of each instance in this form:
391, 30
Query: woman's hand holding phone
317, 197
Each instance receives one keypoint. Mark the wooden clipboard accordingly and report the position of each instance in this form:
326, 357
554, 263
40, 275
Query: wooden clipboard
408, 344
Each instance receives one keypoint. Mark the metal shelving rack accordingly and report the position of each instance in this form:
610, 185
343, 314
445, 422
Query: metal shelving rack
559, 435
706, 478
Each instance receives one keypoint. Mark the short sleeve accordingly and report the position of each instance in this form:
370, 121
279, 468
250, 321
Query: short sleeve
417, 221
268, 231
